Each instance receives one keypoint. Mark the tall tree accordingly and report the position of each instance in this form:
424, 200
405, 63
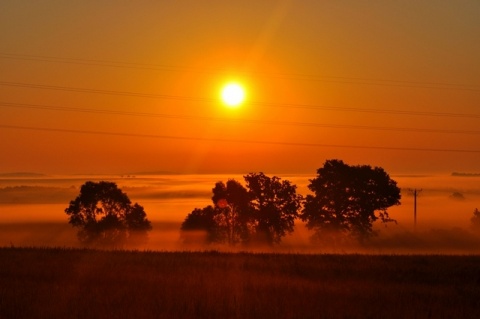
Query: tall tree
227, 221
275, 205
349, 199
106, 216
232, 203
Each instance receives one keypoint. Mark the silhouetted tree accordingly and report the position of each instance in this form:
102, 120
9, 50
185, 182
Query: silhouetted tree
347, 198
227, 221
475, 220
267, 207
275, 205
232, 202
457, 196
106, 216
201, 223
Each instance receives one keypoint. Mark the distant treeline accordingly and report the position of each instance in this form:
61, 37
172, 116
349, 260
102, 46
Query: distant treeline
21, 174
466, 174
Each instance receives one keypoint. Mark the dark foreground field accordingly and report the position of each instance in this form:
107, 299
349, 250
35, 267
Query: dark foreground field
63, 283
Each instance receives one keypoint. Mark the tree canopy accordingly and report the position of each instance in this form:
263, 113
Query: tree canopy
275, 206
348, 199
475, 221
106, 216
263, 210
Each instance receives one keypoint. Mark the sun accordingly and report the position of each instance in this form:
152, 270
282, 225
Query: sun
233, 94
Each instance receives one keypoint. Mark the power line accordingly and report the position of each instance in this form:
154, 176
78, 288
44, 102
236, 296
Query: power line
245, 121
297, 76
210, 100
108, 92
5, 126
116, 64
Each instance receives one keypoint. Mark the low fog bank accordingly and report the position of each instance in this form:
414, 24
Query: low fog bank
448, 199
166, 236
454, 240
32, 214
25, 194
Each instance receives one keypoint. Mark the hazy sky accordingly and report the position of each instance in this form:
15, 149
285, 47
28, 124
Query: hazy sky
133, 86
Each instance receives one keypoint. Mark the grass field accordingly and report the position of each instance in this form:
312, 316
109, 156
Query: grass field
71, 283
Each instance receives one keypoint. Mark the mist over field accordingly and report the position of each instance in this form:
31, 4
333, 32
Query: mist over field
32, 212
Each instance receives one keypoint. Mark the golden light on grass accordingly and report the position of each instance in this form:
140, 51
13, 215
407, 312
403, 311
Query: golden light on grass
233, 95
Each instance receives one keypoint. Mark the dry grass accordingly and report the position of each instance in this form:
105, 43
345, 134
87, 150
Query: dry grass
70, 283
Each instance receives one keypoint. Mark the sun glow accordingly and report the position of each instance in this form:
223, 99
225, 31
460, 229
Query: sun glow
233, 94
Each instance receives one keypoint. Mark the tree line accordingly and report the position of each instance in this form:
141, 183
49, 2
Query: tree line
345, 199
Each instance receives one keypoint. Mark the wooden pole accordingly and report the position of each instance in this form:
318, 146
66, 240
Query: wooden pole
415, 193
415, 210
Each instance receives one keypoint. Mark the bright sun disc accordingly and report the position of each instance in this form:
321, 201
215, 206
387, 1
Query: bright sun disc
233, 94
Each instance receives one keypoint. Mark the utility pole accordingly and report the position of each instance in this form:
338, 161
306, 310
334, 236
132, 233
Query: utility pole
415, 193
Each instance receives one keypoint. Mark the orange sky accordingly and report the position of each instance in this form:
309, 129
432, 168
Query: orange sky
392, 84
